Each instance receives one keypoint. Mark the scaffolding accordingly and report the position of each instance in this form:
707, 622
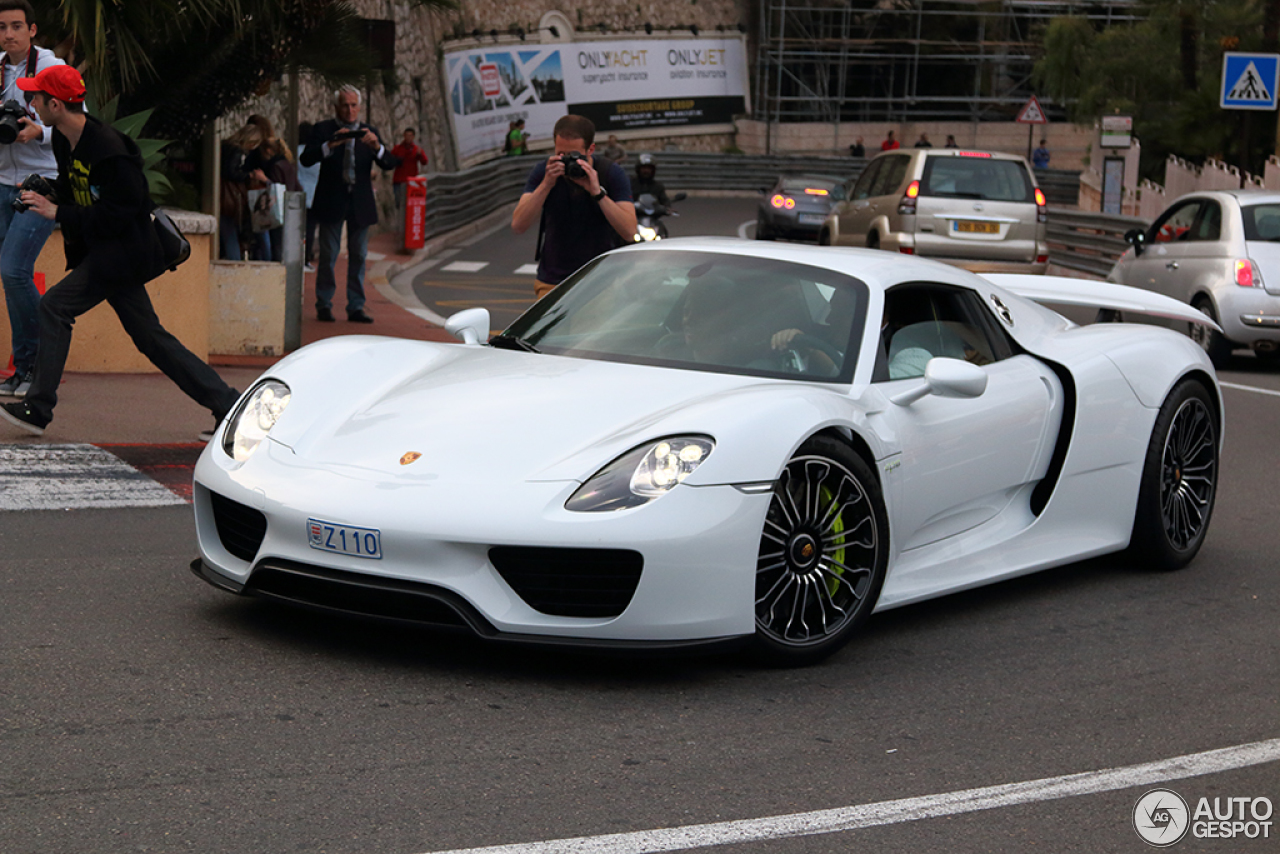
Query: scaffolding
907, 60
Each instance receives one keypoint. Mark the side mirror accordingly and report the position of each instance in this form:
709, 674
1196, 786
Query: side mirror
470, 326
946, 378
1137, 238
679, 197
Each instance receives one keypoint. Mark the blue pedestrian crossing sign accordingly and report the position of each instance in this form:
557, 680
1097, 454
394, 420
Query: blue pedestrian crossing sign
1249, 81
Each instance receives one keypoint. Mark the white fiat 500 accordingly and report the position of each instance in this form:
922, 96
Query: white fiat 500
1220, 252
705, 441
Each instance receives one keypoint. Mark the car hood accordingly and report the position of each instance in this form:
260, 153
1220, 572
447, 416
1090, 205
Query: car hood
472, 410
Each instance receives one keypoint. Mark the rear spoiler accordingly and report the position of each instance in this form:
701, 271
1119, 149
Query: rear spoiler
1092, 293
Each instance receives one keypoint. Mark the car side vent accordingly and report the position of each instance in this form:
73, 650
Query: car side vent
570, 582
240, 528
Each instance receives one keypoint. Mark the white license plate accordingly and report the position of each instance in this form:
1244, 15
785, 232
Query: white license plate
344, 539
812, 219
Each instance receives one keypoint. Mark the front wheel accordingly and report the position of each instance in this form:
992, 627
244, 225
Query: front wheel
822, 554
1179, 480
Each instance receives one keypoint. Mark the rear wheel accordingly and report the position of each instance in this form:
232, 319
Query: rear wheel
762, 230
873, 240
824, 238
822, 554
1211, 341
1179, 480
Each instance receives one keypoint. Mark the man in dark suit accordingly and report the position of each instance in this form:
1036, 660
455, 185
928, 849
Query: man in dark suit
346, 149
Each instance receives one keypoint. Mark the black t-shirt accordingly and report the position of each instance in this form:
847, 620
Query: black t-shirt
575, 229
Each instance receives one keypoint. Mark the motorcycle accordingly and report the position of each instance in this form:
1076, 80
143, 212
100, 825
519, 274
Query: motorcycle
649, 214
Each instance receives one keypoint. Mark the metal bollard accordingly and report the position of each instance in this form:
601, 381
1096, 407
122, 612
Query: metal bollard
295, 225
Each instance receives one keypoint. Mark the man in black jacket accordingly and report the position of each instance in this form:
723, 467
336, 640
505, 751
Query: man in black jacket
346, 149
104, 207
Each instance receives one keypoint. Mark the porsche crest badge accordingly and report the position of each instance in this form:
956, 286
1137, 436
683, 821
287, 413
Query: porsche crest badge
409, 457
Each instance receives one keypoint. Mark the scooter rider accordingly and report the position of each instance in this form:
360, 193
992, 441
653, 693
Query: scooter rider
644, 181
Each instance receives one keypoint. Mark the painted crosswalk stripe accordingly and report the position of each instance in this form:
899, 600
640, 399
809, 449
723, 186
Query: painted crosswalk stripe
59, 477
464, 267
527, 270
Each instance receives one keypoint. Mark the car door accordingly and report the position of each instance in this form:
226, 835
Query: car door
1160, 267
852, 212
964, 463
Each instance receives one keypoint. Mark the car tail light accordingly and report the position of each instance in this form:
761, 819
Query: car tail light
973, 153
1247, 275
1042, 214
907, 250
781, 201
1041, 259
908, 203
815, 191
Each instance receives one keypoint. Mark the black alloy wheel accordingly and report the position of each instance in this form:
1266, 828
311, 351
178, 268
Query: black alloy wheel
1179, 479
822, 554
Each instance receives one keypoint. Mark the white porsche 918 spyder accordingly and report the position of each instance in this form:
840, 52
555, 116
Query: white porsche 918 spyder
710, 440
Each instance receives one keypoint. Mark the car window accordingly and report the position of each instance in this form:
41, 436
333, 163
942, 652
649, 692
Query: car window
923, 321
1175, 224
977, 178
862, 189
1209, 225
1261, 222
703, 311
891, 175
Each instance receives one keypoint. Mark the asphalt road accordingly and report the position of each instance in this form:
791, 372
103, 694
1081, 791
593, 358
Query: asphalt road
142, 710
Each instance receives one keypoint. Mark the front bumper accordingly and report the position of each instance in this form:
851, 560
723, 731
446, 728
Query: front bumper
698, 546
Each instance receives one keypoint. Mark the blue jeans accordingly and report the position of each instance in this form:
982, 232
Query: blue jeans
357, 249
24, 235
229, 237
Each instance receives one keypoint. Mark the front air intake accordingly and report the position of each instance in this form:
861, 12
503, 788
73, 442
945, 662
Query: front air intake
570, 582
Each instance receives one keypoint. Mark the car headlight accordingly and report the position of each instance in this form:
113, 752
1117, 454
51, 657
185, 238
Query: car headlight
642, 474
254, 418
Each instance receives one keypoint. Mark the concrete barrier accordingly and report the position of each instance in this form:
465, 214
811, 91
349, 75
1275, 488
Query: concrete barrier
212, 307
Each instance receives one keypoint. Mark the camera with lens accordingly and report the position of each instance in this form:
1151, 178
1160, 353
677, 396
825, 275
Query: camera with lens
36, 184
10, 112
572, 165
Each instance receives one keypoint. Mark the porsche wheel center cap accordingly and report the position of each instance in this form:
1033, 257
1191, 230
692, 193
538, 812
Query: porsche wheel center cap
803, 552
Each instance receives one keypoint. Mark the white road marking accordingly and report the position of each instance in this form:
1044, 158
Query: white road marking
1251, 388
68, 477
749, 225
527, 270
464, 267
906, 809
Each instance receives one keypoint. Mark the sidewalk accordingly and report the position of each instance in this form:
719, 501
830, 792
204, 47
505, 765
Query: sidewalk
149, 408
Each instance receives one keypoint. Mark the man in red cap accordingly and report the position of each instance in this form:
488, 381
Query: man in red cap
104, 207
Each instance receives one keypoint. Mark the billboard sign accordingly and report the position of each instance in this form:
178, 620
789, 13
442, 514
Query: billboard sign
639, 84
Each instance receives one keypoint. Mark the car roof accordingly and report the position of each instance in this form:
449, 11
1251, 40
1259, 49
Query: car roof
954, 152
1243, 197
878, 269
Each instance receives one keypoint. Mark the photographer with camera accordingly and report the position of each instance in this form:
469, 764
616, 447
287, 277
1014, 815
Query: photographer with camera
104, 207
581, 216
26, 149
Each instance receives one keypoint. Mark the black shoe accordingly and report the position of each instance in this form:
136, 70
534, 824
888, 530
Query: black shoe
324, 315
207, 435
22, 416
17, 385
358, 316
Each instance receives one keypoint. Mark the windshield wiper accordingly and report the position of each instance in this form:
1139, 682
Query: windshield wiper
511, 342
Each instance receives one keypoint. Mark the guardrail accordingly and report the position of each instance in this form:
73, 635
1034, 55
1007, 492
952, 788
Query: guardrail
1088, 242
455, 199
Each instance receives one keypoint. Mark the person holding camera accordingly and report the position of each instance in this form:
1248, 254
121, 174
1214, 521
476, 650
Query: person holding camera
346, 149
104, 206
582, 202
26, 148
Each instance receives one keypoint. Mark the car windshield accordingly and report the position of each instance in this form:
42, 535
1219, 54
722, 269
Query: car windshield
977, 178
702, 311
1261, 222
